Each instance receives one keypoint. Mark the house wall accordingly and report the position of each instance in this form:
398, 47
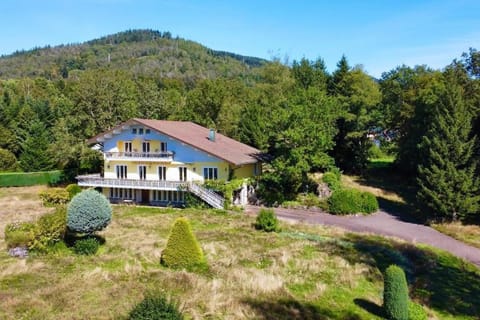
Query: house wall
244, 171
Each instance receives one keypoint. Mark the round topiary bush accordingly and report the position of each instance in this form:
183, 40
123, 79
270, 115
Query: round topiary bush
267, 221
416, 311
183, 249
86, 246
395, 294
156, 307
368, 202
89, 211
347, 201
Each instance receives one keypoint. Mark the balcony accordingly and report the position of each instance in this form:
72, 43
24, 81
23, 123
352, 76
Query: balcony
95, 180
166, 156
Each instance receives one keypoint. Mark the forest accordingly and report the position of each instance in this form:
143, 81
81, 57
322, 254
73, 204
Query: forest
305, 118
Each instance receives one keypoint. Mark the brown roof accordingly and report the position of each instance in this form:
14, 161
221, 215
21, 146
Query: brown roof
223, 147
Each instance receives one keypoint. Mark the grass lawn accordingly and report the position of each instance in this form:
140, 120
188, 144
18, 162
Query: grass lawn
303, 272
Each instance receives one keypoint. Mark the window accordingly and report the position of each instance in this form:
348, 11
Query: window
162, 173
210, 173
146, 146
121, 171
182, 173
128, 146
134, 130
147, 131
163, 146
142, 172
140, 130
116, 193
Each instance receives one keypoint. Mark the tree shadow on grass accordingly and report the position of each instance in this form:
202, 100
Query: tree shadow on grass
292, 309
438, 280
370, 307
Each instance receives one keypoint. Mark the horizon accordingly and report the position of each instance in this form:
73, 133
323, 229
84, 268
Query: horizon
377, 35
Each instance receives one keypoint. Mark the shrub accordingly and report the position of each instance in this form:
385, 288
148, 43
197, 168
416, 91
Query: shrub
86, 246
8, 162
267, 221
20, 234
54, 197
20, 179
347, 201
368, 203
395, 294
50, 229
309, 200
416, 311
156, 307
332, 180
183, 249
72, 190
89, 211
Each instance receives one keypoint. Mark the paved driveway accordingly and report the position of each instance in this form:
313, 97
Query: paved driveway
382, 223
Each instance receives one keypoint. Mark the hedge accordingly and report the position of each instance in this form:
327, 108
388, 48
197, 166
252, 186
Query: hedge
22, 179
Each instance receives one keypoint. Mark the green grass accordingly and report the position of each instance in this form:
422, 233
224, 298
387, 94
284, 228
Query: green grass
304, 272
21, 179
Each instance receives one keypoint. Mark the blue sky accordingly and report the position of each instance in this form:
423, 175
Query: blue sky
378, 34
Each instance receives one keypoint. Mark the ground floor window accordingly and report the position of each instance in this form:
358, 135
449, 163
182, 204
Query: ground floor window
168, 196
116, 193
210, 173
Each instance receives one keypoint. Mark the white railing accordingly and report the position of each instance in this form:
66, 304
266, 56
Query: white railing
210, 197
164, 155
206, 195
97, 181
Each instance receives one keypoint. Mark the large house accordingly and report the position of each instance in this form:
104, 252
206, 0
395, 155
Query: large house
156, 161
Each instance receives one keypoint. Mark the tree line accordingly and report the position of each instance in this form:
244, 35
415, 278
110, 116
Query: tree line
305, 118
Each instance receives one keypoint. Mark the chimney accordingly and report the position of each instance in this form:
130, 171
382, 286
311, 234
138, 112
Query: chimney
211, 135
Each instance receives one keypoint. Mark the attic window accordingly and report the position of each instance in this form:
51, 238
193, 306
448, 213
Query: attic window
134, 130
147, 131
140, 131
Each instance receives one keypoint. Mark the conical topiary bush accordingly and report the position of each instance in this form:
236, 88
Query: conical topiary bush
395, 294
183, 249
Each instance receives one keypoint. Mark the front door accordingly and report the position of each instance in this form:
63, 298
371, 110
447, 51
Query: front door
145, 196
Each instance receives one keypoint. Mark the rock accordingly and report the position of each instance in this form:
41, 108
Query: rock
324, 191
19, 252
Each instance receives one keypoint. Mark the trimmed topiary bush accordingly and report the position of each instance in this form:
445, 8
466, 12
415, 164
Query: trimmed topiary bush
54, 197
156, 307
89, 211
395, 294
347, 201
86, 246
267, 221
183, 249
416, 311
73, 189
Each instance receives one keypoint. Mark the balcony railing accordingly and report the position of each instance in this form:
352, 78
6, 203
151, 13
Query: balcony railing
155, 156
95, 180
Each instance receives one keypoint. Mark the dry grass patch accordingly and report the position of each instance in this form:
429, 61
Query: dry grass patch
355, 182
467, 233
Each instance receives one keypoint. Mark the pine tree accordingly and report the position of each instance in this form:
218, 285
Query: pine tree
35, 155
448, 187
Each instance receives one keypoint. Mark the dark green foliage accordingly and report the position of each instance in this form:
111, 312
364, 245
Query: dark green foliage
448, 184
20, 179
348, 201
35, 153
416, 311
156, 306
86, 246
8, 162
20, 234
54, 197
395, 294
267, 221
89, 211
182, 249
73, 189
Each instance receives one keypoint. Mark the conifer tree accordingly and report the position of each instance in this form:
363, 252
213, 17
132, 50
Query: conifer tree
448, 187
